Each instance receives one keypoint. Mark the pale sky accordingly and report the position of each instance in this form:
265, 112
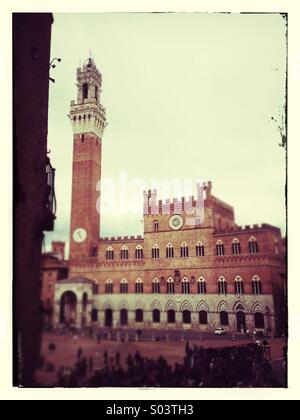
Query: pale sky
188, 96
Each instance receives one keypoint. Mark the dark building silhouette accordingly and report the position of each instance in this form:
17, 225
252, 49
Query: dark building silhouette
33, 183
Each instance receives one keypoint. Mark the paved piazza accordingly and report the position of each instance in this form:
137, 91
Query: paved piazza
66, 351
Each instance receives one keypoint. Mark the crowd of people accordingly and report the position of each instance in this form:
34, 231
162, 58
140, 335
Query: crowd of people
239, 366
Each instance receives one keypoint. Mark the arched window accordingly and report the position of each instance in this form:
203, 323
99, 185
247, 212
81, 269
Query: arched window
184, 250
239, 285
224, 318
96, 92
220, 248
156, 315
203, 319
256, 286
124, 253
155, 286
139, 315
139, 286
200, 249
109, 286
85, 90
222, 286
236, 247
109, 253
186, 317
259, 320
253, 245
124, 286
201, 286
170, 286
155, 226
155, 251
171, 316
185, 286
170, 251
139, 254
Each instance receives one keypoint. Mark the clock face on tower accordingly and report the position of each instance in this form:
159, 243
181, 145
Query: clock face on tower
176, 222
79, 235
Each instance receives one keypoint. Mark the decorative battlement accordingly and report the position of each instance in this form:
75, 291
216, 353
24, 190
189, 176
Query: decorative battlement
183, 205
257, 227
122, 238
247, 228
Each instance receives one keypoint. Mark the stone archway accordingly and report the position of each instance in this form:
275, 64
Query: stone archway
186, 316
123, 317
108, 317
241, 321
259, 320
68, 308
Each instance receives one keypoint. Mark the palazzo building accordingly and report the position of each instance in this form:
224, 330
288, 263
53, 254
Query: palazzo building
194, 267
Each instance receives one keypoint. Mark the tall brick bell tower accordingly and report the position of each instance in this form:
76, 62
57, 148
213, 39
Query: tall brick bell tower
88, 120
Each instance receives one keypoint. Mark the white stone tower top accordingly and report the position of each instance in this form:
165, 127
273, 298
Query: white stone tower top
87, 114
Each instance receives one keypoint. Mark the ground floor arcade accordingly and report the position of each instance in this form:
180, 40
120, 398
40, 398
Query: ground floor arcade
75, 304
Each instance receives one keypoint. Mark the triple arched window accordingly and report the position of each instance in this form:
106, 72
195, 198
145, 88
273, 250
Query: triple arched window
169, 251
199, 249
124, 286
155, 251
222, 285
201, 286
109, 287
109, 253
239, 285
256, 286
139, 287
124, 253
139, 253
170, 286
253, 245
156, 286
236, 247
220, 249
184, 250
185, 286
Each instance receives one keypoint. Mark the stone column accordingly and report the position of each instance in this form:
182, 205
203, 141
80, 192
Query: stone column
232, 322
249, 322
178, 317
101, 318
56, 312
164, 318
88, 314
270, 323
195, 318
79, 314
131, 318
213, 321
147, 317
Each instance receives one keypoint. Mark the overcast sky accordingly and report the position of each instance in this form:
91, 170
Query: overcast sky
188, 96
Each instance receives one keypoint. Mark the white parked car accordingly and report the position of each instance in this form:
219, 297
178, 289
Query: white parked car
220, 331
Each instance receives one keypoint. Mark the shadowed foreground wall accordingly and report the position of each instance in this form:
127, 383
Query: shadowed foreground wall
31, 57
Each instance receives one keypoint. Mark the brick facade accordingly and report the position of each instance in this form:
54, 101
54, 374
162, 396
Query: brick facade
256, 257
